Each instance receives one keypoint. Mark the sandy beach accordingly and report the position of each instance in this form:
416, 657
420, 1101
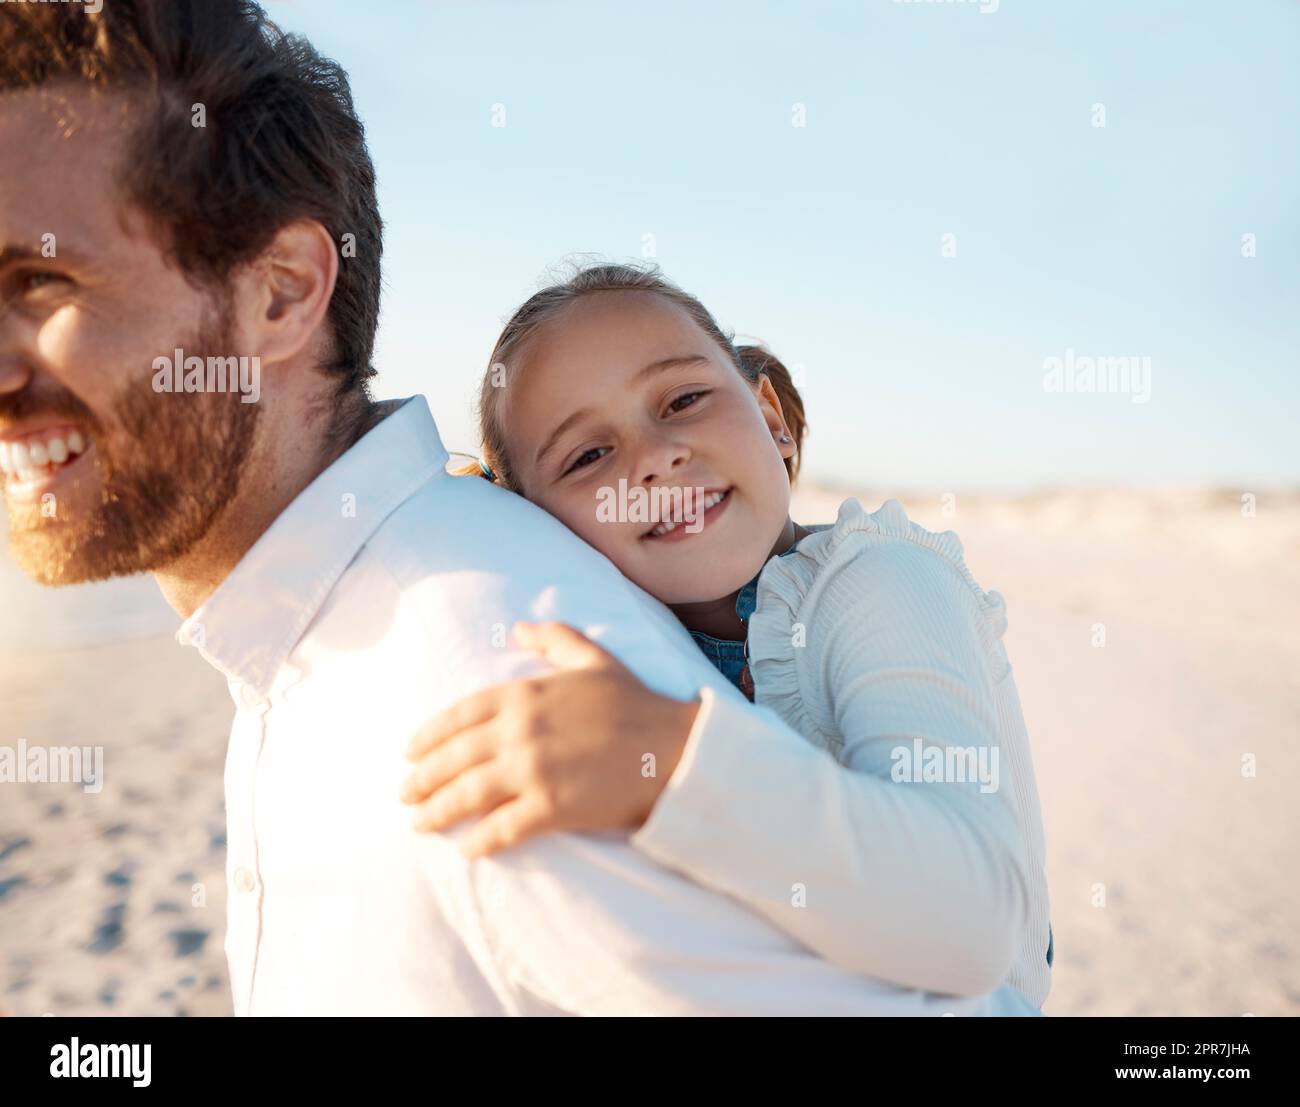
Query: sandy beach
1154, 640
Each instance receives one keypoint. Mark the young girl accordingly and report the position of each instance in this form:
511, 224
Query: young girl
916, 832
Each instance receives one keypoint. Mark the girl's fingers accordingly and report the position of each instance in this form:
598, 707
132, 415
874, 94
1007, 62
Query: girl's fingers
507, 826
562, 645
475, 792
447, 761
470, 711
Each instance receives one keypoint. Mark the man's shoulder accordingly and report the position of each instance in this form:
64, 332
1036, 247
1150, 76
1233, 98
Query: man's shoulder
466, 524
462, 560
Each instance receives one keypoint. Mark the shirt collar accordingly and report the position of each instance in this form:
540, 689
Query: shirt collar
252, 622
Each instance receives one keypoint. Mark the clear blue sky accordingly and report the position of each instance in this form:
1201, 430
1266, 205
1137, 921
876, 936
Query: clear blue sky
674, 119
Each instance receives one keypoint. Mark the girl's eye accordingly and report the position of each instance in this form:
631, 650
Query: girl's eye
685, 401
585, 458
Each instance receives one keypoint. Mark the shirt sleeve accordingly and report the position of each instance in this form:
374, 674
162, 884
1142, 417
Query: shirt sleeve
586, 930
588, 924
917, 882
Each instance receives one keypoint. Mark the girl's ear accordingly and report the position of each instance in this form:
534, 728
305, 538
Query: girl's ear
769, 403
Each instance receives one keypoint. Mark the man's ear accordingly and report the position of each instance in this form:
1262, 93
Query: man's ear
769, 404
282, 298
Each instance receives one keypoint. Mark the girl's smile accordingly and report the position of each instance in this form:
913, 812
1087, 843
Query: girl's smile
675, 530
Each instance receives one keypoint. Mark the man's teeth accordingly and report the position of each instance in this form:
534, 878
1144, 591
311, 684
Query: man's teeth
40, 455
711, 500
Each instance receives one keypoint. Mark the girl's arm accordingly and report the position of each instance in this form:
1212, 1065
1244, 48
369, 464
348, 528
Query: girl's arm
920, 884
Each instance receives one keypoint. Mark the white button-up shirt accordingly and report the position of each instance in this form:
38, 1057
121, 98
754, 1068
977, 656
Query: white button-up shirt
382, 595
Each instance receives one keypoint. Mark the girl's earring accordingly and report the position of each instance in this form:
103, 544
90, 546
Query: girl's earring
786, 440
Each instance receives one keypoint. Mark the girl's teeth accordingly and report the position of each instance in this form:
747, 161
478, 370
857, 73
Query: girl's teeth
19, 457
58, 450
76, 444
711, 500
38, 455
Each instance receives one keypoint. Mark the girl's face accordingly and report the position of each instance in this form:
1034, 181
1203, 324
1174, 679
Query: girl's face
627, 414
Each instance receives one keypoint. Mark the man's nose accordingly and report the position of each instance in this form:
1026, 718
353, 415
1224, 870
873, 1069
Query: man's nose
15, 370
15, 374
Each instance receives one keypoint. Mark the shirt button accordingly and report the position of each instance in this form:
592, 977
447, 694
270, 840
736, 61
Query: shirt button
245, 881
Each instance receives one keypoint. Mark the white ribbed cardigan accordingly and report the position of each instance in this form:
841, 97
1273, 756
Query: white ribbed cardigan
872, 634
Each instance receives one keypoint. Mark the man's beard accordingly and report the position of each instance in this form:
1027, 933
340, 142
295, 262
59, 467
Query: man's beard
168, 465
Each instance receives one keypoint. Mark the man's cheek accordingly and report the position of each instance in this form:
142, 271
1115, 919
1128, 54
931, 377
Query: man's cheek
82, 358
60, 336
90, 362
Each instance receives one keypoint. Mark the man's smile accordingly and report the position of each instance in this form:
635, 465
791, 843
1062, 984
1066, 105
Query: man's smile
37, 462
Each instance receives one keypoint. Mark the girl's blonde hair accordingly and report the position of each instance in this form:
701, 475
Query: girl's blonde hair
542, 307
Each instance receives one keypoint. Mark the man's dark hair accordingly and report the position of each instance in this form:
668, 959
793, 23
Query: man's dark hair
281, 140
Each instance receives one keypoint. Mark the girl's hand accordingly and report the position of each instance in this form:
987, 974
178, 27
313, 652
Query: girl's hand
585, 747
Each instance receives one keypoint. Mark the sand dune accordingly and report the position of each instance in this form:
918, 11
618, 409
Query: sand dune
113, 902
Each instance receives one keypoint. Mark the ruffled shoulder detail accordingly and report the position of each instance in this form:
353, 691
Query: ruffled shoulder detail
786, 582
